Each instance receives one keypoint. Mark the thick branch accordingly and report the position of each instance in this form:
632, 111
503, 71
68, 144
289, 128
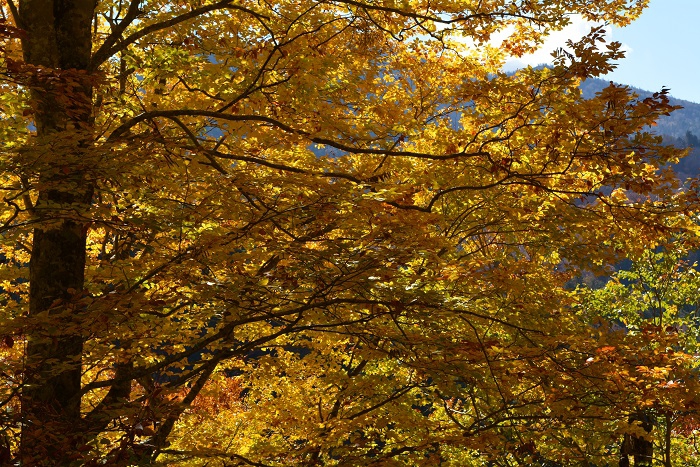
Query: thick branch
126, 126
114, 45
104, 51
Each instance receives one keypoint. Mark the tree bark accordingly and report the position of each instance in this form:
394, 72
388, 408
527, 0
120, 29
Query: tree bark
641, 449
667, 438
57, 46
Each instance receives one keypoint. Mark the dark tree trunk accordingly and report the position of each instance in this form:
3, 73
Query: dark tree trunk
640, 449
668, 418
58, 44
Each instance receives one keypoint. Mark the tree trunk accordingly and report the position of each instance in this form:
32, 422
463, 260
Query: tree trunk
667, 438
58, 45
641, 449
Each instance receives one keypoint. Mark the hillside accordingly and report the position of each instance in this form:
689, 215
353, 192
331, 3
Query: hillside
681, 128
676, 125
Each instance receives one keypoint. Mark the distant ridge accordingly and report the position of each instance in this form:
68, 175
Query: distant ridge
680, 121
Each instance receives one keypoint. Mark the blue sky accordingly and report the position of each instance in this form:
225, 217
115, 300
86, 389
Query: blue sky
662, 48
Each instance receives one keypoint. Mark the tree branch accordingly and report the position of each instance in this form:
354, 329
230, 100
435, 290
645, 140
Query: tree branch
126, 126
115, 36
113, 44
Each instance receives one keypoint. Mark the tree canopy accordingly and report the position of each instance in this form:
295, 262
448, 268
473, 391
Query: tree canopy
319, 233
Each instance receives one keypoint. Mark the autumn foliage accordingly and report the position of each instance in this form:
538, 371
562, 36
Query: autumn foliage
324, 233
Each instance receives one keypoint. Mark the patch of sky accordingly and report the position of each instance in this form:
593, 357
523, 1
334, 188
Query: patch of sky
212, 130
322, 150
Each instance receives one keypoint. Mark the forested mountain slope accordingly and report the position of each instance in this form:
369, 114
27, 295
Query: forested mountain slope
676, 125
681, 128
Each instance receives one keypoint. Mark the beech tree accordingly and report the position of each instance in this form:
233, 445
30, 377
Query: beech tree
315, 233
656, 298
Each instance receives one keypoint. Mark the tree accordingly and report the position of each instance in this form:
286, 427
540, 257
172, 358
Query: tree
657, 298
336, 223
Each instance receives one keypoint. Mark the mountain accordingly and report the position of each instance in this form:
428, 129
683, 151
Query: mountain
681, 128
680, 121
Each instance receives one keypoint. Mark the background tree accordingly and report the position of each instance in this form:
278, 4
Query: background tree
657, 298
336, 219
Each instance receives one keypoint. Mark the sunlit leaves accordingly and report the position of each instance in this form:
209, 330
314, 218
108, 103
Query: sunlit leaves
336, 233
